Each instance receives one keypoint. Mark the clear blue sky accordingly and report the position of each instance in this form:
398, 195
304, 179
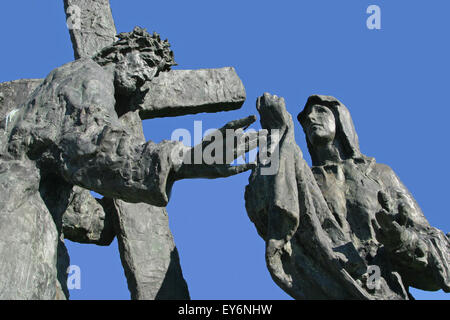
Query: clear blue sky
395, 82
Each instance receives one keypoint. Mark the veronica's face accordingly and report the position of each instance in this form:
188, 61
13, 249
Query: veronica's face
320, 125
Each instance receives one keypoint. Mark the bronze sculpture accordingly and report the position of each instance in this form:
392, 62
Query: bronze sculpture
327, 226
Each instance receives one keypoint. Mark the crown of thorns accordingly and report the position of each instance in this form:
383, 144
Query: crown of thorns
153, 50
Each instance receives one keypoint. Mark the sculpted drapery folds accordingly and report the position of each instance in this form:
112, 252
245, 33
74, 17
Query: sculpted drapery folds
328, 225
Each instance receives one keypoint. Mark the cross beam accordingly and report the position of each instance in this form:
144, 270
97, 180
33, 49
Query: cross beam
181, 92
91, 26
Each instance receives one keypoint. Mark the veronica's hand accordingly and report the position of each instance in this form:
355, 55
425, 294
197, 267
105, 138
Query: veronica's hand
273, 111
392, 231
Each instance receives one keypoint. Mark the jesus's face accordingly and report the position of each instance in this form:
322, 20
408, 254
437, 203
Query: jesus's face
132, 72
320, 125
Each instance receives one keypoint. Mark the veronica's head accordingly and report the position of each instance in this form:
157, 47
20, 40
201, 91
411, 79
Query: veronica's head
327, 122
